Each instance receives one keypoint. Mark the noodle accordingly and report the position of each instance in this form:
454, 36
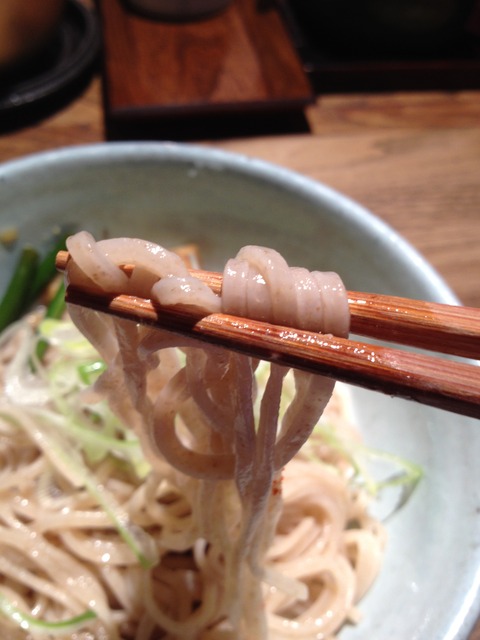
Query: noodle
185, 507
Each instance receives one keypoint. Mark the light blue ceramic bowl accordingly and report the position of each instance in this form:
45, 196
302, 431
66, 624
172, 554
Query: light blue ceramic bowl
429, 587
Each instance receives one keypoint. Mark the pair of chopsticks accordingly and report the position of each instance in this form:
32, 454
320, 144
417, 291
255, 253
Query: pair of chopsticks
436, 381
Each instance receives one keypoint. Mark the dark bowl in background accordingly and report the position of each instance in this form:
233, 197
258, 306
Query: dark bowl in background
388, 27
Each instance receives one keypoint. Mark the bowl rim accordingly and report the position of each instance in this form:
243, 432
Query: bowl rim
210, 157
350, 211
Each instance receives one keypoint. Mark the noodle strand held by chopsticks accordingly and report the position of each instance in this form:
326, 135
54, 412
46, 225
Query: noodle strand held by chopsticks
251, 539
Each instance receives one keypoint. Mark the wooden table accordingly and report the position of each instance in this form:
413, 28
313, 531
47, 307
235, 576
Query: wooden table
413, 159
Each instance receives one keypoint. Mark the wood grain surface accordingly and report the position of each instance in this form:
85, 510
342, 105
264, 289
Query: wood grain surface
238, 58
412, 158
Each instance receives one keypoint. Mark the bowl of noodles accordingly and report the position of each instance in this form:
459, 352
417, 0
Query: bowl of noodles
367, 528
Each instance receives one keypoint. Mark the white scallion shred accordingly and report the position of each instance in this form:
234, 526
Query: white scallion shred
73, 434
41, 627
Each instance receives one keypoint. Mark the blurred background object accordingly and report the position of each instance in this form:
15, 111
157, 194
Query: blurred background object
178, 9
25, 27
234, 72
196, 69
48, 52
387, 45
386, 27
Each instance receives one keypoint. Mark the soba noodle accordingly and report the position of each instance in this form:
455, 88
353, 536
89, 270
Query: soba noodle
184, 507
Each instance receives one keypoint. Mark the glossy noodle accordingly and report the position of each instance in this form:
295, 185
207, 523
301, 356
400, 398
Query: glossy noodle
164, 492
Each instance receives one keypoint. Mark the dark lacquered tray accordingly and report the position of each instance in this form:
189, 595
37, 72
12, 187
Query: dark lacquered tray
203, 78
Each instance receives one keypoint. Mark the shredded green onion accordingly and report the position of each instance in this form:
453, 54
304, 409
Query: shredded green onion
17, 294
91, 370
374, 470
28, 622
55, 310
76, 436
47, 270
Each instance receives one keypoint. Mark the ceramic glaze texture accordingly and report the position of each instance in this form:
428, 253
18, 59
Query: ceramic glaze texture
173, 194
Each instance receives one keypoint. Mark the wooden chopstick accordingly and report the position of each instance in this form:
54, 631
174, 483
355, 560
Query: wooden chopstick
433, 326
438, 382
435, 381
